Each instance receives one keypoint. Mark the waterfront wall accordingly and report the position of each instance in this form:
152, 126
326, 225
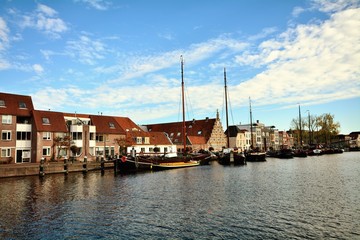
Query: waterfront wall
31, 169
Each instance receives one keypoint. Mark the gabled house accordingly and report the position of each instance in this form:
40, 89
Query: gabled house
108, 133
200, 134
238, 138
49, 131
15, 128
354, 142
143, 142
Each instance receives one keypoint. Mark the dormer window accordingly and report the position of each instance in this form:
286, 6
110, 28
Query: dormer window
2, 103
199, 132
45, 120
111, 125
22, 105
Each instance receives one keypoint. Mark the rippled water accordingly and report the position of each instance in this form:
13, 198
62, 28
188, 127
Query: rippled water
312, 198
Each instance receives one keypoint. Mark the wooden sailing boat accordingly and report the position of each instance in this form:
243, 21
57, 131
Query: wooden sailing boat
254, 155
229, 155
181, 160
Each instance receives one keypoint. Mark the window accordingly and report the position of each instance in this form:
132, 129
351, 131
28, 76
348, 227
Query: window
46, 151
23, 135
22, 105
6, 119
92, 136
199, 132
2, 103
146, 140
99, 138
77, 135
171, 134
178, 134
6, 135
142, 150
111, 125
46, 135
5, 152
45, 120
139, 140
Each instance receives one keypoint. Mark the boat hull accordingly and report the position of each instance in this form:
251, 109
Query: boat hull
256, 157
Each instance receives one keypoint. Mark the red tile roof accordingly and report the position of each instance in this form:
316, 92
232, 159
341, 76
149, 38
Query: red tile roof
127, 124
199, 128
196, 140
159, 138
106, 124
46, 121
16, 105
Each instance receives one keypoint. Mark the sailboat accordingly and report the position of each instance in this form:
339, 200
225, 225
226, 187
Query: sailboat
229, 155
181, 160
254, 155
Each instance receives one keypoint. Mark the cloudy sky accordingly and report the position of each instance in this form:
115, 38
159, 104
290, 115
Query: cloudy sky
122, 58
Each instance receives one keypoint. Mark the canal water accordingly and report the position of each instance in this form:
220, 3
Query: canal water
310, 198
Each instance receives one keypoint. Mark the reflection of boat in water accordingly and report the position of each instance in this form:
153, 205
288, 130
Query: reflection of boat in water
229, 155
283, 153
300, 153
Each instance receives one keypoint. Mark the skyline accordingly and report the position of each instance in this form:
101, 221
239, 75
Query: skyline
122, 58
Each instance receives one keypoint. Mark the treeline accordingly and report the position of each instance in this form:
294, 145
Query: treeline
315, 129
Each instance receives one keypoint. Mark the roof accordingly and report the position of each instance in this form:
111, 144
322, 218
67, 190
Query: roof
127, 124
17, 105
106, 124
200, 128
234, 130
159, 138
47, 121
197, 140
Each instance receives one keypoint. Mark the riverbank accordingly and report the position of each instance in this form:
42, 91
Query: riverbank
31, 169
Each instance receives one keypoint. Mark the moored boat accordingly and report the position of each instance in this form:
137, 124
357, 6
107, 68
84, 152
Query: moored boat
255, 156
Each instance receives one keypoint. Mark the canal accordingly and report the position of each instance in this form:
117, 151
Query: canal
309, 198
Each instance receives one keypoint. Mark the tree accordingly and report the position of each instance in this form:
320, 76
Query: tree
295, 126
59, 142
124, 142
327, 127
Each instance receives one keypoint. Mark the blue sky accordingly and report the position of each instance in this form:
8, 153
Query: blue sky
122, 58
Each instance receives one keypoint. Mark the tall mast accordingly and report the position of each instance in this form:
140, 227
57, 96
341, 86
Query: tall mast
251, 126
226, 108
300, 126
183, 103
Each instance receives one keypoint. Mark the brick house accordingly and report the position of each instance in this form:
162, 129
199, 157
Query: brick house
49, 131
200, 134
16, 128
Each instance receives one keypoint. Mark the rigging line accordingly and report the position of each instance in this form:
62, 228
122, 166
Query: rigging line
232, 117
188, 104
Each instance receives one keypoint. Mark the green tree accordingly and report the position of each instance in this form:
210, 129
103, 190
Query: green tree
327, 126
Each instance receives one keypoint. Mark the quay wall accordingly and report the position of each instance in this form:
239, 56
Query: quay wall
31, 169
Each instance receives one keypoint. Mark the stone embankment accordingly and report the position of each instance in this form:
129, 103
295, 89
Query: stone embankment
31, 169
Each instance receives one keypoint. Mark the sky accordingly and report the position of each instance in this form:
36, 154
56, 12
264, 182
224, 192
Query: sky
122, 58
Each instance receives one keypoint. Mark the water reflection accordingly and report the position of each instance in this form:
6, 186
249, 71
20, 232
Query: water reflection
316, 197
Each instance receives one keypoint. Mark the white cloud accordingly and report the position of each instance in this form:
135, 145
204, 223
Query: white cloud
86, 50
309, 62
38, 68
97, 4
334, 5
45, 19
4, 34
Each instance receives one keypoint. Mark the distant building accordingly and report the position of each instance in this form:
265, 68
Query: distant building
200, 134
